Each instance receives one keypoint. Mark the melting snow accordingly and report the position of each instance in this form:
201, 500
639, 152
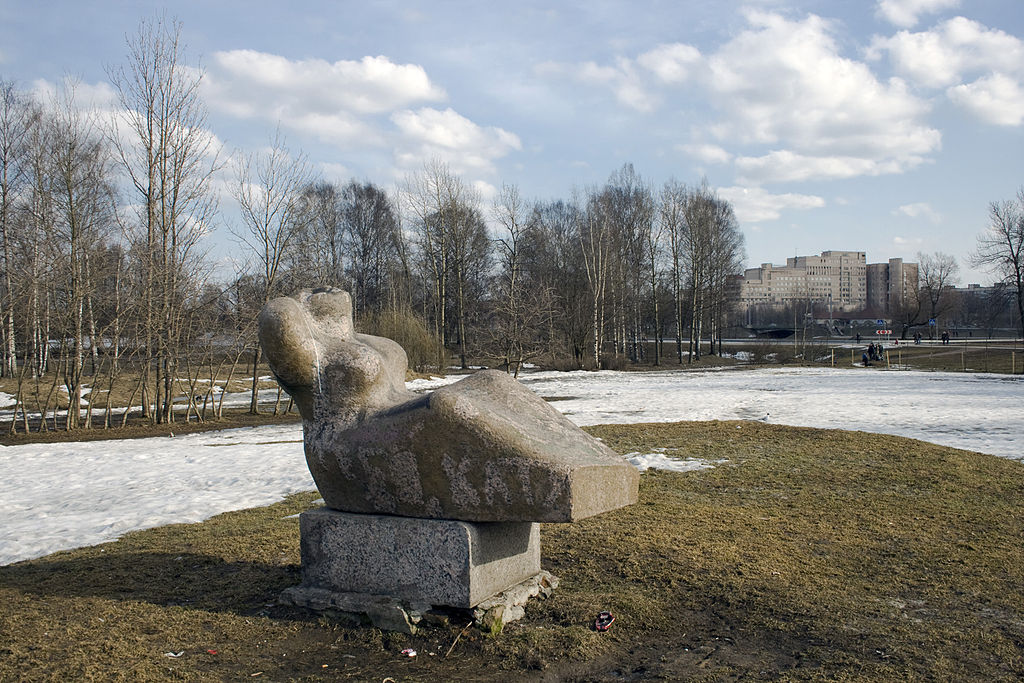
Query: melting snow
60, 496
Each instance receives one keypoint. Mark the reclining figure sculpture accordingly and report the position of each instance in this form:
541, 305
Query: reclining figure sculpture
484, 449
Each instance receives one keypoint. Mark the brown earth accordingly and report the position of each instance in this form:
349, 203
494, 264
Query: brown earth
805, 555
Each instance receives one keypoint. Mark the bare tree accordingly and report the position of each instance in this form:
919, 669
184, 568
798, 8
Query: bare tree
450, 237
268, 189
713, 246
170, 158
1001, 247
429, 196
373, 243
553, 260
937, 275
320, 260
84, 211
16, 118
907, 310
516, 309
629, 210
671, 208
593, 231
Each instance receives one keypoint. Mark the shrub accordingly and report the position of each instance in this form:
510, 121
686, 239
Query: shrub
405, 327
563, 364
612, 362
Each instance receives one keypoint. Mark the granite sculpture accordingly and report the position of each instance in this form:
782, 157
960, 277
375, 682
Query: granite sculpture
484, 449
431, 500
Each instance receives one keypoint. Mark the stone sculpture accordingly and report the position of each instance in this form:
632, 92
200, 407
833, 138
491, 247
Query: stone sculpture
430, 499
484, 449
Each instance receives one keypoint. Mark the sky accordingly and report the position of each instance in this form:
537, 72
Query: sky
67, 495
884, 126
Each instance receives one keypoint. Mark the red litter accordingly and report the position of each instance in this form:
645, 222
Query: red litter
604, 621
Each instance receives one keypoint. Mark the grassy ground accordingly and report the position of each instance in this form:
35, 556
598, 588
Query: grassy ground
138, 428
1005, 357
807, 554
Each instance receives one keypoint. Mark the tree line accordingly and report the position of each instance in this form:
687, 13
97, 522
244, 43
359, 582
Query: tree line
106, 290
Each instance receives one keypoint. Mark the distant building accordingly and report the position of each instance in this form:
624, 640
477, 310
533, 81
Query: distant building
839, 277
891, 285
842, 279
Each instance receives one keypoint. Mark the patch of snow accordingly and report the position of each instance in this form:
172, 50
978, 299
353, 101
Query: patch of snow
978, 412
66, 495
660, 461
422, 385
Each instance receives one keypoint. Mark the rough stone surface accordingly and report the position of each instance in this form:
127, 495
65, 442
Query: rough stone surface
390, 614
510, 604
484, 449
416, 561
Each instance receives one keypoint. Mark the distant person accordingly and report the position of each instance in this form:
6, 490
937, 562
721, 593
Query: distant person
864, 359
858, 337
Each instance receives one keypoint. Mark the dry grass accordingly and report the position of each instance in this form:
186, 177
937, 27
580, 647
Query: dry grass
809, 554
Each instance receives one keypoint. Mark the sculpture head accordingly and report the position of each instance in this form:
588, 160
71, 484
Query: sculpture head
330, 371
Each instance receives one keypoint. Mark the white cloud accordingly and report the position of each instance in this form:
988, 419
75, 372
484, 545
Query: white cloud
907, 244
786, 166
784, 83
485, 191
99, 97
335, 172
331, 102
943, 55
781, 83
622, 79
919, 210
365, 103
711, 154
996, 99
905, 13
370, 85
672, 63
756, 205
449, 136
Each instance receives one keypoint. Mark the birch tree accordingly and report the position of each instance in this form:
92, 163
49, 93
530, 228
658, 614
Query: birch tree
713, 248
16, 119
594, 236
449, 235
671, 208
169, 158
268, 189
83, 210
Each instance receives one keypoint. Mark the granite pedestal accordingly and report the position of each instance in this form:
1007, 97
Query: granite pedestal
393, 568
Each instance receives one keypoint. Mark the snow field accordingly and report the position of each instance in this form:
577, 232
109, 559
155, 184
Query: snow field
61, 496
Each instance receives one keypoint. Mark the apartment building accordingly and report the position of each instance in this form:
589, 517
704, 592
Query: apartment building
836, 277
891, 285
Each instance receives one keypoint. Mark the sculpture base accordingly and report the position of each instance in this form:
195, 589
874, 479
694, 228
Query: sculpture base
394, 569
391, 614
